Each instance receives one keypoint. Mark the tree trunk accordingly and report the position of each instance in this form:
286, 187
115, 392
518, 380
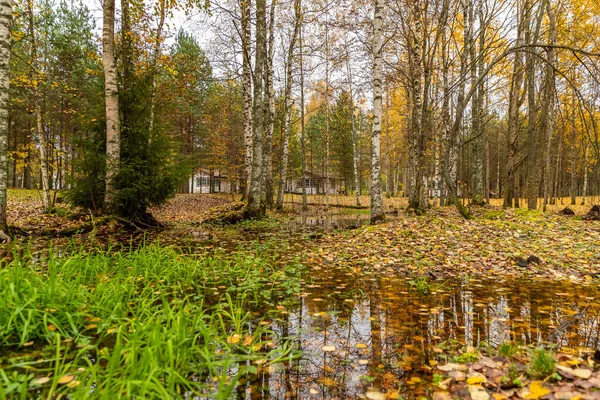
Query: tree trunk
327, 150
533, 177
247, 93
377, 214
5, 37
416, 156
388, 174
302, 130
113, 125
270, 112
255, 206
476, 123
585, 172
487, 170
288, 105
513, 128
354, 149
547, 112
37, 107
573, 183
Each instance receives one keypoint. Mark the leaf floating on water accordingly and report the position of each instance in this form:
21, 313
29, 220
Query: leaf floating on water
66, 379
375, 395
328, 348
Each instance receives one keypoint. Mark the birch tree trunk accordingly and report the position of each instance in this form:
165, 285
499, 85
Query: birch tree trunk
302, 130
388, 174
513, 122
288, 105
247, 93
585, 171
270, 112
5, 33
573, 182
327, 150
354, 149
547, 112
476, 134
416, 160
255, 206
113, 125
37, 107
533, 176
377, 214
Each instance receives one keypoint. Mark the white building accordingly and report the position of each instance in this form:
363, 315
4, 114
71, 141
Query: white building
211, 181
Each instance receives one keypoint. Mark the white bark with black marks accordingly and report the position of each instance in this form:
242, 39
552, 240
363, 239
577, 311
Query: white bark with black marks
255, 206
288, 104
247, 92
377, 214
111, 94
5, 33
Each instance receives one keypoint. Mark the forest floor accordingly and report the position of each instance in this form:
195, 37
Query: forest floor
500, 306
440, 244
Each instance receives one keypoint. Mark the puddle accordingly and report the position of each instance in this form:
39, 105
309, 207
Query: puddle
381, 333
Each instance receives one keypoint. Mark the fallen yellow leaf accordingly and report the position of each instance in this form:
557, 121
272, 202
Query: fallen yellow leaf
66, 379
537, 390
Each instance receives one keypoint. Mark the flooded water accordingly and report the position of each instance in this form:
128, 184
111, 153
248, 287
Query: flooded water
376, 335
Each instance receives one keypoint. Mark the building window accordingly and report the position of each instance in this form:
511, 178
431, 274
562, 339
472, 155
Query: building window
202, 181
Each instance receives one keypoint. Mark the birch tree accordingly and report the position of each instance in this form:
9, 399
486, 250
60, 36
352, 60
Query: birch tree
269, 110
36, 101
255, 206
288, 103
5, 34
113, 126
377, 214
247, 93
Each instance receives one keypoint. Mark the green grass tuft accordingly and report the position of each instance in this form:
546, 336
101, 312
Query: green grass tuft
150, 323
542, 364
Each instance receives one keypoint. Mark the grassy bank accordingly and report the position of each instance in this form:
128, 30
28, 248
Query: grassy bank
151, 323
